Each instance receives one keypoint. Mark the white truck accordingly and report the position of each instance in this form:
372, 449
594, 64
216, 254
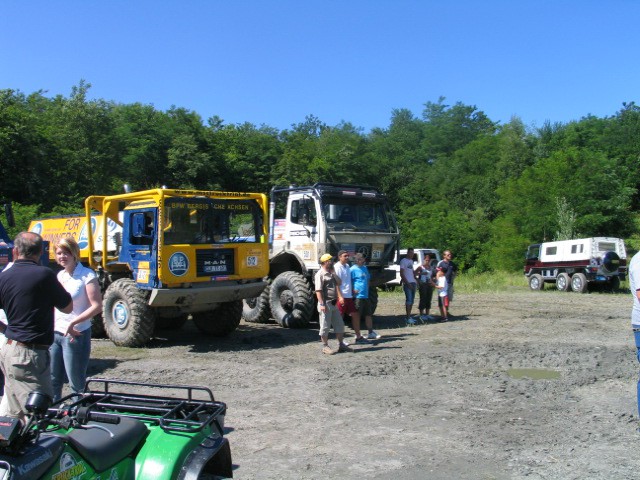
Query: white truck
307, 222
576, 263
418, 258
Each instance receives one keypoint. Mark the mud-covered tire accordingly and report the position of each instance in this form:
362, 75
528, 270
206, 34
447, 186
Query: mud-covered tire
171, 323
97, 327
221, 321
291, 300
128, 319
257, 309
563, 282
579, 283
536, 282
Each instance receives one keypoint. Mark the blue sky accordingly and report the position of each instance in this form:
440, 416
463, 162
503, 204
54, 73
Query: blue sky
275, 62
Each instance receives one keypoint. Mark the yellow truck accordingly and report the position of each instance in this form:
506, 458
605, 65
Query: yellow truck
163, 254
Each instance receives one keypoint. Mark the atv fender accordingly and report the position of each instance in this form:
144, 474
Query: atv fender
212, 456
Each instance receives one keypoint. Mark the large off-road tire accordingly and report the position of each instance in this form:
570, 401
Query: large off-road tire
221, 321
579, 283
256, 309
291, 300
128, 319
563, 282
97, 327
536, 282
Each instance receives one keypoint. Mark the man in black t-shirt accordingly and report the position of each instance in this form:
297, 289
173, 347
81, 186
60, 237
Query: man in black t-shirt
28, 295
450, 270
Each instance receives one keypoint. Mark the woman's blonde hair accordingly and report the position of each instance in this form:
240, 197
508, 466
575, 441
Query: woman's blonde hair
70, 245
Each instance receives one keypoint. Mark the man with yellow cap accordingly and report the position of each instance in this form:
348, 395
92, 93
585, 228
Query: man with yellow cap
328, 293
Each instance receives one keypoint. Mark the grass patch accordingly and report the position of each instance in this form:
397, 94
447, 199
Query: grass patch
481, 283
490, 282
109, 350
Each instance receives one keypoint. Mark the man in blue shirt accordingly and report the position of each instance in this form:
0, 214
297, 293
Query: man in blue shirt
360, 277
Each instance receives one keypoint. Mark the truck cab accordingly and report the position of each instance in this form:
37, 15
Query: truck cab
309, 221
162, 255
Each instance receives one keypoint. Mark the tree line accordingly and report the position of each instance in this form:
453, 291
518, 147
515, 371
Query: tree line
455, 178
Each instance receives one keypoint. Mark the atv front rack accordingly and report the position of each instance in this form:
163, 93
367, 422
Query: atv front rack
176, 414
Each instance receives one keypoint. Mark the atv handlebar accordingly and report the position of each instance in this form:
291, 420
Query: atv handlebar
83, 415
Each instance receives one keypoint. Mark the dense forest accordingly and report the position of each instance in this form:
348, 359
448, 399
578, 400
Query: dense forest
456, 179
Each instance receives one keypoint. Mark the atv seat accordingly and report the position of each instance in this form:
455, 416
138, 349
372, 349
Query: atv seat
100, 449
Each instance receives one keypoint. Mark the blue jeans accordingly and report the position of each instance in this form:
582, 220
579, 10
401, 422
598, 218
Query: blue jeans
636, 335
71, 358
409, 293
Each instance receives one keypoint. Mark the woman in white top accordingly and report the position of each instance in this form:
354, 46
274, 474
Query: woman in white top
72, 337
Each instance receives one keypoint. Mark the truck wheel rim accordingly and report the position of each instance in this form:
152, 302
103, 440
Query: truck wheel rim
121, 314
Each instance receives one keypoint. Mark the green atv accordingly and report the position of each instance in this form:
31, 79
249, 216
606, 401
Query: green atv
118, 430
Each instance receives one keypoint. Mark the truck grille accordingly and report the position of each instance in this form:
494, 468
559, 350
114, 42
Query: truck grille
215, 262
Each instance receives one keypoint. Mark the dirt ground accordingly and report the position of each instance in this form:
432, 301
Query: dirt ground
522, 384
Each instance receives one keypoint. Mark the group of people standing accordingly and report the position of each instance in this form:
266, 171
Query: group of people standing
47, 334
425, 280
343, 290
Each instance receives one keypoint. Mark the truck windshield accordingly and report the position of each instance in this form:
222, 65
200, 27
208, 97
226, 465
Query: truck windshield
357, 214
208, 221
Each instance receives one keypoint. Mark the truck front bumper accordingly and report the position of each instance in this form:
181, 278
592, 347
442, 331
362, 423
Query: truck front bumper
203, 298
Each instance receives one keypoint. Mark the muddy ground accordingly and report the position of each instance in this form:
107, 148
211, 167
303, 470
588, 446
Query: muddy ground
536, 385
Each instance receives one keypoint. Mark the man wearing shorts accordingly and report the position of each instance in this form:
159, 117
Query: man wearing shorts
360, 277
346, 305
327, 287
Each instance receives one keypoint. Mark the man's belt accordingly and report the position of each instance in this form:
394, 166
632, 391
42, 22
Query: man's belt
33, 346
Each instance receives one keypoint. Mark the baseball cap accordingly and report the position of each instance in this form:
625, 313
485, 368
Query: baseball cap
325, 257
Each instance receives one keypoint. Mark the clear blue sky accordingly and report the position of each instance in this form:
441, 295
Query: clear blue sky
274, 62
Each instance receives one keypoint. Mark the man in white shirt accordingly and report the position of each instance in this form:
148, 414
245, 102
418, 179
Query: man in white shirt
409, 283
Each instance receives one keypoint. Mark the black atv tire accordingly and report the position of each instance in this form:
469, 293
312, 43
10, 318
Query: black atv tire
257, 309
128, 319
291, 300
221, 321
171, 323
97, 327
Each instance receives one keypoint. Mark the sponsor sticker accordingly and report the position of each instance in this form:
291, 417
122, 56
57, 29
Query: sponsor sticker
178, 264
143, 275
